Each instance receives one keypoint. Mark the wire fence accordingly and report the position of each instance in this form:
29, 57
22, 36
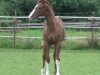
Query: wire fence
20, 32
60, 14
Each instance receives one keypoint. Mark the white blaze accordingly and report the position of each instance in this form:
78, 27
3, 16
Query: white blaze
32, 12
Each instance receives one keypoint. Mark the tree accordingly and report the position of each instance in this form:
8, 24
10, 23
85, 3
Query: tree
23, 7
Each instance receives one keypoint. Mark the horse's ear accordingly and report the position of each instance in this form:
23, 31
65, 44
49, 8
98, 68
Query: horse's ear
43, 0
48, 0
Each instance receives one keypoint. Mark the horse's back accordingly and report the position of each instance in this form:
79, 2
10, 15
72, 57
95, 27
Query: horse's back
61, 26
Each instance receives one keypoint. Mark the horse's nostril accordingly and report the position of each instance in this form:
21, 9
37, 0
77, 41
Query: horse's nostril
30, 18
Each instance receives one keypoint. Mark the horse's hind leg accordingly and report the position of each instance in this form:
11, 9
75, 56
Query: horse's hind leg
57, 59
54, 63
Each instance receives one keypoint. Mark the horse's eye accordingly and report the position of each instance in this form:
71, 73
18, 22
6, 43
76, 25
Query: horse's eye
39, 8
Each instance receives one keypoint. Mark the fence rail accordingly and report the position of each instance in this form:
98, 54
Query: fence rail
62, 17
26, 37
84, 25
19, 25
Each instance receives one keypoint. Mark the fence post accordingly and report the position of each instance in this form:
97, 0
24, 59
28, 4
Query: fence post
92, 36
15, 23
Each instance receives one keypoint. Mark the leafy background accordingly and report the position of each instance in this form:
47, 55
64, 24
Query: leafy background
23, 7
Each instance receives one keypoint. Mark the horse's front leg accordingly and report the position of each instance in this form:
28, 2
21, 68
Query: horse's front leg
46, 58
56, 58
43, 56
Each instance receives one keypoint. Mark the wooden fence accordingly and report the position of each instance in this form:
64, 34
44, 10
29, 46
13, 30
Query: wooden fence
20, 25
91, 23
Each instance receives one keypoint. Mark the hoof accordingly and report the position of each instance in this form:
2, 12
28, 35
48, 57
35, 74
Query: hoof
54, 72
42, 72
47, 73
57, 73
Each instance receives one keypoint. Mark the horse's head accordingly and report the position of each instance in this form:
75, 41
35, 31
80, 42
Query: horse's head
39, 9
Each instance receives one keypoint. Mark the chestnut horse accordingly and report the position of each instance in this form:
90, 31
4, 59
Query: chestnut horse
53, 33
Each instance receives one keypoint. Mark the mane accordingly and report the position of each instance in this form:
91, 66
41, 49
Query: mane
48, 3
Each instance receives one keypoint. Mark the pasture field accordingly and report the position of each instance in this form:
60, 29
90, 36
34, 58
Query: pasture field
38, 32
27, 43
29, 62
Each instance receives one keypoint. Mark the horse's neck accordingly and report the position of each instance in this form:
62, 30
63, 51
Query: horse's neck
50, 18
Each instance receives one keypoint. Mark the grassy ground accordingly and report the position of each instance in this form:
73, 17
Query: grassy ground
28, 62
36, 43
38, 32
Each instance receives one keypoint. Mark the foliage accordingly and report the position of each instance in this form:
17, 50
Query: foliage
21, 6
60, 6
74, 6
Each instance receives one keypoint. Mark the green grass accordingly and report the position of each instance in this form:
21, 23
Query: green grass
39, 32
29, 62
35, 32
36, 43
